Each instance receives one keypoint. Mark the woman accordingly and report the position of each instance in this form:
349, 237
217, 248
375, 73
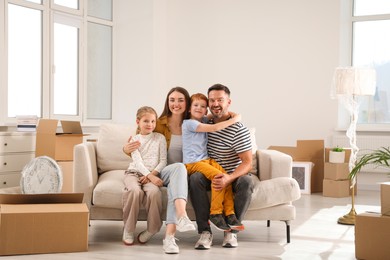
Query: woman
174, 175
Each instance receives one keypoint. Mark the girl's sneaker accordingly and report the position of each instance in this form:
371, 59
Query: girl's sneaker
144, 237
128, 238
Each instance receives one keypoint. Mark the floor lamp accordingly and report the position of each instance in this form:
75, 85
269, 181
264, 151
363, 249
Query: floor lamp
348, 84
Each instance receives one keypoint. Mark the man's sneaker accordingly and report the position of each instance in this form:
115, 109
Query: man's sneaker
230, 240
169, 245
185, 224
219, 222
144, 237
234, 223
128, 238
205, 241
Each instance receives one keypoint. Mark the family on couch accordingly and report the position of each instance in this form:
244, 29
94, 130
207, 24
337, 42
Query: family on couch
230, 147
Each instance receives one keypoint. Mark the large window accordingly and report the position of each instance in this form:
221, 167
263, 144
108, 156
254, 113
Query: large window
370, 47
58, 59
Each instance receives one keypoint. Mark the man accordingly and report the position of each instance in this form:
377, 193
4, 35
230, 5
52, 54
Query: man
231, 148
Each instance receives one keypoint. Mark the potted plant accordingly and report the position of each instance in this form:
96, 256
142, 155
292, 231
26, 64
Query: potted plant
379, 158
337, 155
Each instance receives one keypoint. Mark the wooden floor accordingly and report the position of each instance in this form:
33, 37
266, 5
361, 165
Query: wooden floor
315, 234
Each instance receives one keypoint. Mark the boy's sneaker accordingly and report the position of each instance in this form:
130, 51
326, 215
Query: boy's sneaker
230, 240
219, 222
205, 241
234, 223
144, 237
185, 224
128, 238
169, 245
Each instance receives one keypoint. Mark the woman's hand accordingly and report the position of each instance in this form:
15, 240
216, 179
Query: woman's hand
131, 146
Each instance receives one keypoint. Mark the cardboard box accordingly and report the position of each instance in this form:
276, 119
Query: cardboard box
301, 172
308, 151
371, 236
336, 171
67, 175
336, 189
385, 198
57, 145
43, 223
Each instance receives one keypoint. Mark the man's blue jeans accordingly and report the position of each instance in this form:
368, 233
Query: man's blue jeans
199, 185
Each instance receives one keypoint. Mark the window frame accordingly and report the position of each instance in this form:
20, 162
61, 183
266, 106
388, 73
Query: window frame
49, 10
346, 49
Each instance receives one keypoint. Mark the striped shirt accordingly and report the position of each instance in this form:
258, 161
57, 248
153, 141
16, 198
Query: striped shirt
225, 145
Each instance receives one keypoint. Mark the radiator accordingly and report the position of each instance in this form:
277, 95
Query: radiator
365, 143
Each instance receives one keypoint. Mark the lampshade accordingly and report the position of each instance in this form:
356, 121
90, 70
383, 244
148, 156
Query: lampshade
354, 81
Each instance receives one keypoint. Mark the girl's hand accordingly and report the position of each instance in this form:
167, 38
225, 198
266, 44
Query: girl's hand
131, 146
143, 180
155, 180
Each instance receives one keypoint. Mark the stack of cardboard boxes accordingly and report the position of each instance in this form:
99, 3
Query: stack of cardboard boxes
372, 230
336, 182
47, 223
59, 144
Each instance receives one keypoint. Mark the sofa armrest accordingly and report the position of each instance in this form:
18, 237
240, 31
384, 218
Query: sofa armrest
85, 173
273, 164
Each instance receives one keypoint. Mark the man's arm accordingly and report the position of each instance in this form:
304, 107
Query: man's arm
220, 181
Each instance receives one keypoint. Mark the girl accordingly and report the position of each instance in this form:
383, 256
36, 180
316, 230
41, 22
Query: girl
141, 178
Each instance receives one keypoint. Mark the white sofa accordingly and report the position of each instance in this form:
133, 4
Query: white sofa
99, 168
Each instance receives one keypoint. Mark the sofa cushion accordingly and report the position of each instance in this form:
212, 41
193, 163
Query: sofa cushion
109, 189
109, 148
283, 190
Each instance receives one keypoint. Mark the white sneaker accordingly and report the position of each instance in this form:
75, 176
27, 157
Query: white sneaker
185, 224
128, 238
169, 245
230, 240
205, 241
144, 236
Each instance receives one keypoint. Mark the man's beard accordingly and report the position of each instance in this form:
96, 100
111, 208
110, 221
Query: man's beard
220, 112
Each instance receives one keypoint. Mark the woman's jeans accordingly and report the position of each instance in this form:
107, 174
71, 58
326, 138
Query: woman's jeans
175, 179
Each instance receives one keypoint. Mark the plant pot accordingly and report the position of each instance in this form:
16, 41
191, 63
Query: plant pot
336, 157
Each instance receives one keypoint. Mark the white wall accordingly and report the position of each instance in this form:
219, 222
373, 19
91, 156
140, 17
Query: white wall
276, 56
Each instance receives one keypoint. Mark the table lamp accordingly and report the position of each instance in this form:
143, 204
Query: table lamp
348, 83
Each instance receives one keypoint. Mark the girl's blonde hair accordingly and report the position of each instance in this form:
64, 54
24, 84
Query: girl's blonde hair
142, 111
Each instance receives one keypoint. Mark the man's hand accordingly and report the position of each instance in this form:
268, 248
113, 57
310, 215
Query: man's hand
131, 146
220, 181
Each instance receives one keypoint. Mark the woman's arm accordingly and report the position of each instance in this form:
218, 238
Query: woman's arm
218, 126
131, 146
